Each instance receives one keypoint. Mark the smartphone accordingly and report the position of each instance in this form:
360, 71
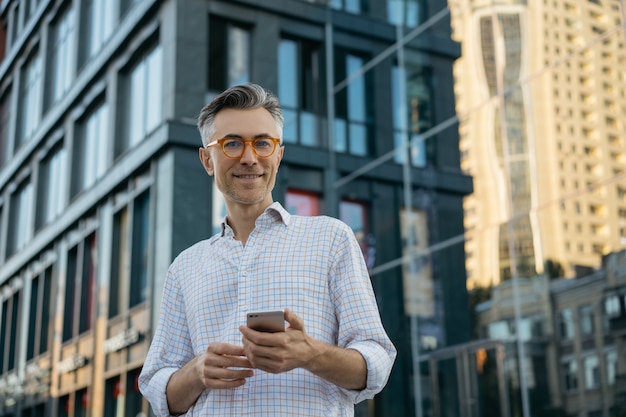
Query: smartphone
267, 321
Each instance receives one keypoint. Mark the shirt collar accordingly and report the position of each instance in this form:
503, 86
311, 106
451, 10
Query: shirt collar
273, 213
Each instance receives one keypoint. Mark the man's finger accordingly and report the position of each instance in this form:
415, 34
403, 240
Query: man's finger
295, 322
225, 361
224, 383
228, 374
225, 349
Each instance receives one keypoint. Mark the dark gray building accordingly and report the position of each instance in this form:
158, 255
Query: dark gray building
101, 187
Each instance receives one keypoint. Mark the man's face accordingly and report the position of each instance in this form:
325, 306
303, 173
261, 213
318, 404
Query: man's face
249, 179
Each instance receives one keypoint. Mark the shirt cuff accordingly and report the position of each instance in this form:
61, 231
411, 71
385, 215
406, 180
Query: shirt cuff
155, 391
379, 363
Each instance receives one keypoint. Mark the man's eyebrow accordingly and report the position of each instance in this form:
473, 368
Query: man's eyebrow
257, 136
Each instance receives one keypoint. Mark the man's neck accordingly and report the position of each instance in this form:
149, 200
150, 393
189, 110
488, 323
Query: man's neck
242, 219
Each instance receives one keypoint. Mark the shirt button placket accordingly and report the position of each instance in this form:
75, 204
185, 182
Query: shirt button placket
244, 284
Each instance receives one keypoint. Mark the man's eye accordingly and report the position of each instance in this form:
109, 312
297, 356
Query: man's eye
262, 143
233, 144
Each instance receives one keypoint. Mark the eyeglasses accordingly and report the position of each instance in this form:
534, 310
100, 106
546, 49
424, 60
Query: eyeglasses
234, 147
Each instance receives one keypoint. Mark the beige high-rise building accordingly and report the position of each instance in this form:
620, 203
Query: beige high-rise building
541, 96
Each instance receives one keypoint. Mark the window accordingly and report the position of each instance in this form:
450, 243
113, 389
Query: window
415, 100
80, 284
353, 107
112, 395
10, 322
352, 6
586, 320
20, 215
5, 328
611, 366
5, 102
592, 372
302, 203
134, 399
119, 271
91, 150
35, 411
64, 406
63, 52
126, 5
39, 316
130, 255
17, 26
403, 12
4, 43
570, 377
29, 7
51, 187
499, 330
100, 15
611, 310
354, 214
139, 255
144, 98
81, 403
229, 54
218, 208
30, 99
299, 90
566, 322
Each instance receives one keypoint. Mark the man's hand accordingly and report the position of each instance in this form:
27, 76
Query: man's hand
283, 351
212, 369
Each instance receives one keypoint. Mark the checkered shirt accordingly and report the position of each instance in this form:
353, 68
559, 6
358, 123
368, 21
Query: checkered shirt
311, 265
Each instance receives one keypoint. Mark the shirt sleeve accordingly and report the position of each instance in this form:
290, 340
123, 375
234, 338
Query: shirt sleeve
170, 349
360, 326
379, 362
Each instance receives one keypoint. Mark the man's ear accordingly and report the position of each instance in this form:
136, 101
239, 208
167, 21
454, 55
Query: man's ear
281, 151
206, 160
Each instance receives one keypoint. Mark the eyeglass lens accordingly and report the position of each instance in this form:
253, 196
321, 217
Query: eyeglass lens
260, 146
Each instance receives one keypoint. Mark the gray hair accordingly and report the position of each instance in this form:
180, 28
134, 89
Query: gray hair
244, 96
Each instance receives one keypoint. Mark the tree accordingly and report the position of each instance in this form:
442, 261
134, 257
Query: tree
553, 269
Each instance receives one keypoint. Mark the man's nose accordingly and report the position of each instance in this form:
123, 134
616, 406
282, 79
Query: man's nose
248, 155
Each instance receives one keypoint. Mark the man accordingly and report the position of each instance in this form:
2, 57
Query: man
203, 359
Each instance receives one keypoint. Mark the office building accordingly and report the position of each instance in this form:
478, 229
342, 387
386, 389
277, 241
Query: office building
574, 333
101, 187
540, 97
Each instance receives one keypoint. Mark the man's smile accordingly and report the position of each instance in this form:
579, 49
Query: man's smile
248, 176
